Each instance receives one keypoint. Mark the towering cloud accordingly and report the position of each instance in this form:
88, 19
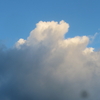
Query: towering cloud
46, 66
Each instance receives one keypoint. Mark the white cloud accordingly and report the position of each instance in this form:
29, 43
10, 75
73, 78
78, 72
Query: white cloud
88, 50
47, 32
48, 67
20, 42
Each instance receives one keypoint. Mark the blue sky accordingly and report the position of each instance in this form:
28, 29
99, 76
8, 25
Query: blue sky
19, 17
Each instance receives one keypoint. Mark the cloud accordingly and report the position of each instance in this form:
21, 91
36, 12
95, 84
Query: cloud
46, 66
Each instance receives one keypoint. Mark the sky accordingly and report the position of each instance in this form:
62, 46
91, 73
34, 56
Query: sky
18, 18
49, 50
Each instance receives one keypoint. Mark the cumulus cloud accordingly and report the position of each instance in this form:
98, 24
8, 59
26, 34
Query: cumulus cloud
46, 66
